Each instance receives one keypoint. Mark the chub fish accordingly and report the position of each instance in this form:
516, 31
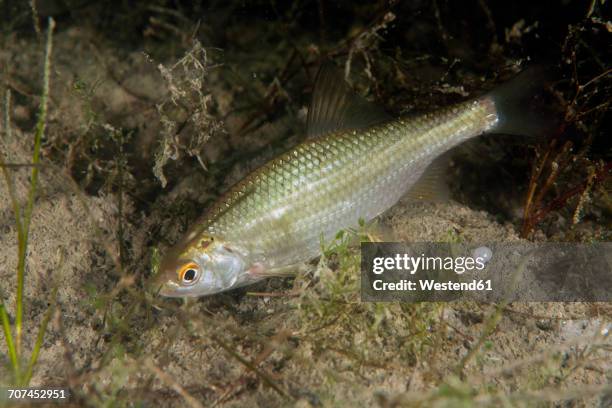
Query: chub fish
356, 163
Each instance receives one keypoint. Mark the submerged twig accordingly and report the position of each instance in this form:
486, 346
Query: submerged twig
169, 381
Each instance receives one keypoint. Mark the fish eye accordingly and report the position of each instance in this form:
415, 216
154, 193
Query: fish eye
188, 273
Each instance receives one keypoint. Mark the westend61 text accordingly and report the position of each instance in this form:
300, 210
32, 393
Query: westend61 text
432, 285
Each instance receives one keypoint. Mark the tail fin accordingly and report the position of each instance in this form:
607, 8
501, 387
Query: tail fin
523, 106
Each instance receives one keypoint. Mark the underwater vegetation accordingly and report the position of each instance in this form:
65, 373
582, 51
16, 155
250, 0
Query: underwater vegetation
122, 122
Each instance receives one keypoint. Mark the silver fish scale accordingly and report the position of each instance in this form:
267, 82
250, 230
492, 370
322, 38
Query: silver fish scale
280, 212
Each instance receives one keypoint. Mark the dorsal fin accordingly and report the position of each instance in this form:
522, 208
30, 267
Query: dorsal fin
335, 106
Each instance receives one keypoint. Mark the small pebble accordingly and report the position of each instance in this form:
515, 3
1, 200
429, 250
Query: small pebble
483, 252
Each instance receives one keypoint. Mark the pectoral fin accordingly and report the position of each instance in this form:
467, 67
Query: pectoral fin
260, 271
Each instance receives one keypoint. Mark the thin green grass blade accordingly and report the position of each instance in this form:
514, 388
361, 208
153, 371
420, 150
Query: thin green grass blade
39, 340
6, 326
10, 185
27, 215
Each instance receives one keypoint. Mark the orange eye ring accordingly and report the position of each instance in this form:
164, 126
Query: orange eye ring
188, 273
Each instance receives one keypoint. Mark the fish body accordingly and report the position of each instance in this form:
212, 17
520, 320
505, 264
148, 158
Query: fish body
280, 212
277, 216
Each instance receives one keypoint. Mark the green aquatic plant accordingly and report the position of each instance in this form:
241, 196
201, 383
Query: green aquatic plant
23, 217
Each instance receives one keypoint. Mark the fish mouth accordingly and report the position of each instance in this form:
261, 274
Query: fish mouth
169, 289
161, 285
